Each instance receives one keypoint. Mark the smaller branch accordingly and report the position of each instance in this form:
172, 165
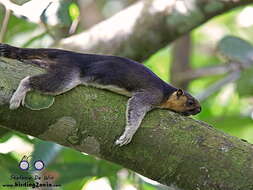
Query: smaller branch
207, 71
218, 85
74, 26
236, 68
5, 24
30, 41
9, 5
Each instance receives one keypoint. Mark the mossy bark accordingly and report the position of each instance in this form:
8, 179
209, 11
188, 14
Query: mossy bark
169, 148
147, 26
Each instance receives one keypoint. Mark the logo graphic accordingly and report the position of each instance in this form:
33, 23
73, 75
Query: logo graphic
31, 179
24, 164
39, 165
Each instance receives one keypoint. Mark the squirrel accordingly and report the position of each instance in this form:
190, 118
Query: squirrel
66, 69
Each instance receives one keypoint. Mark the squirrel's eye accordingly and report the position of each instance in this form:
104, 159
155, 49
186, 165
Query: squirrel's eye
190, 102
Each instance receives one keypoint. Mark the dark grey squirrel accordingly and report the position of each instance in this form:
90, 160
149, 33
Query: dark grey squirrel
67, 69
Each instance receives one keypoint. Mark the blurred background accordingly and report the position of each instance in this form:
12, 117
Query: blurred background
204, 62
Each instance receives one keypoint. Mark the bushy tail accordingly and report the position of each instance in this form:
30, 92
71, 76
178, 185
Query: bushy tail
25, 55
8, 51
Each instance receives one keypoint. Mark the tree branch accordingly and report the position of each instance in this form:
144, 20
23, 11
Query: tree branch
147, 26
218, 69
218, 85
4, 24
181, 53
168, 148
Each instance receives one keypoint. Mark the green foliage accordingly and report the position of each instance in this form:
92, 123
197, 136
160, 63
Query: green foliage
46, 151
74, 166
5, 134
235, 49
245, 83
9, 167
159, 63
63, 13
226, 109
19, 29
74, 11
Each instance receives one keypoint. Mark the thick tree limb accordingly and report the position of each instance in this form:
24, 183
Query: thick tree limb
147, 26
168, 148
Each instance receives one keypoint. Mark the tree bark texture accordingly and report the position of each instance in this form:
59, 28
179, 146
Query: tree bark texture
169, 148
147, 26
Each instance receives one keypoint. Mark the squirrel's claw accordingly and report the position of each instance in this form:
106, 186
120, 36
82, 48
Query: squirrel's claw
124, 139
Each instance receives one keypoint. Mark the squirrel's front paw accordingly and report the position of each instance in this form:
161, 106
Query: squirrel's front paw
16, 101
124, 139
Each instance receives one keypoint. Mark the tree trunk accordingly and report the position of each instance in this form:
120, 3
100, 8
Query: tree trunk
169, 148
181, 54
147, 26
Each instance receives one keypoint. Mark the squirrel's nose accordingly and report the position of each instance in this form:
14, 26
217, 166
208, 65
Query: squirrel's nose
198, 109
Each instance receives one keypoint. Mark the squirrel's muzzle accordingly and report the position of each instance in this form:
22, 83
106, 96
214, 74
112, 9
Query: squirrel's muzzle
192, 111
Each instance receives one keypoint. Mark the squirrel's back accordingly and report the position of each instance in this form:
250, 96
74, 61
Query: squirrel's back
118, 71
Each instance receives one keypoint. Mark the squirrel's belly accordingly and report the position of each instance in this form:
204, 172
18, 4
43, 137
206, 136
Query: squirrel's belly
112, 88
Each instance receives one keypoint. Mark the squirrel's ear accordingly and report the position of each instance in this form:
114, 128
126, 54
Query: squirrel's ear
180, 92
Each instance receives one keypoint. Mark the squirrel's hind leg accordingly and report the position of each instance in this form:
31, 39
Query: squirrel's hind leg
48, 83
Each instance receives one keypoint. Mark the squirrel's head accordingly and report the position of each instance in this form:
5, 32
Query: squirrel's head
182, 102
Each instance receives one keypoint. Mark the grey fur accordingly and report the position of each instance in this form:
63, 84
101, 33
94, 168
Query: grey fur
20, 93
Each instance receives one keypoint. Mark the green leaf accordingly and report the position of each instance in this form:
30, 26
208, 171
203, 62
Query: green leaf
74, 11
78, 170
18, 27
75, 166
245, 83
8, 167
235, 49
63, 13
113, 179
72, 165
73, 171
45, 151
77, 184
5, 134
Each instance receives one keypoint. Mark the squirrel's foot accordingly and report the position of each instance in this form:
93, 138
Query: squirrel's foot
14, 103
124, 139
16, 100
19, 95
